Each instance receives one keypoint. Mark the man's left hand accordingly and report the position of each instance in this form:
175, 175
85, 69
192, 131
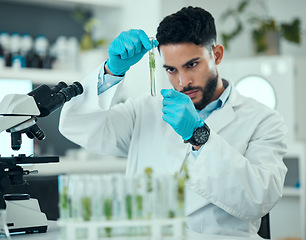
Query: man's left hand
180, 113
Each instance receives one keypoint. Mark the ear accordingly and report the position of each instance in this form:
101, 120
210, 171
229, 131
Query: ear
218, 53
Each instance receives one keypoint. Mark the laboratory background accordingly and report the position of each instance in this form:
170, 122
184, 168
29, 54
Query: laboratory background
71, 38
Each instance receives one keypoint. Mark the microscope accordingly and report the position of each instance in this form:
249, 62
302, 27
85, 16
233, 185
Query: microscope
18, 115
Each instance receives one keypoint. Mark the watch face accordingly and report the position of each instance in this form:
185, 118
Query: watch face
201, 135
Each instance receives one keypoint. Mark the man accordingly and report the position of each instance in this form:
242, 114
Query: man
237, 144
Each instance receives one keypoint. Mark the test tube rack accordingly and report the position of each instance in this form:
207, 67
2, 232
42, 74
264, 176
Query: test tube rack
69, 229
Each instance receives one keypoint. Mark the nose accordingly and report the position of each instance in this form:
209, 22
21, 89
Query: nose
185, 80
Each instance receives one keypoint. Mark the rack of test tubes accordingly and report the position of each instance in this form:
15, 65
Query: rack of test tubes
116, 206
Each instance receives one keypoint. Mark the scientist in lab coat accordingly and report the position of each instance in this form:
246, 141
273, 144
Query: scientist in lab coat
236, 144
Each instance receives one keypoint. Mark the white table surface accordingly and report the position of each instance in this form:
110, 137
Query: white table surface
107, 164
53, 233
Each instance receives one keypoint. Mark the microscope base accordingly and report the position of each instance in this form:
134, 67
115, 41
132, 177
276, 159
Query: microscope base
25, 216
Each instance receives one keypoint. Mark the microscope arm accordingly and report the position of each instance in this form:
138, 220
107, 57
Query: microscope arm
16, 109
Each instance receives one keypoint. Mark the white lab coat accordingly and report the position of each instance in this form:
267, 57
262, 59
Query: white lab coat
238, 176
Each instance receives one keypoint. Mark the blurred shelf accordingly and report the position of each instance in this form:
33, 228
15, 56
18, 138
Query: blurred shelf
291, 192
68, 165
112, 3
70, 3
42, 76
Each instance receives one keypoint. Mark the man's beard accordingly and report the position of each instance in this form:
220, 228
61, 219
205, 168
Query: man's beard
208, 91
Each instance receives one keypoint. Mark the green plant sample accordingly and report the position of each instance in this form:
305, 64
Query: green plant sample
149, 172
128, 204
108, 208
86, 206
181, 177
108, 205
152, 60
171, 214
139, 205
64, 200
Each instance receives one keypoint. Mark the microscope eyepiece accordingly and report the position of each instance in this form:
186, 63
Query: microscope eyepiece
72, 91
48, 100
58, 87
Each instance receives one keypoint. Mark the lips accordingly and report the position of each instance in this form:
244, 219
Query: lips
192, 93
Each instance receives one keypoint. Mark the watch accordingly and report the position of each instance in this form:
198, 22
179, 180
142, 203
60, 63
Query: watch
200, 136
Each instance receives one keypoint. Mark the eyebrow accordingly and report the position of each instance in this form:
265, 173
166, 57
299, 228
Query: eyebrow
185, 64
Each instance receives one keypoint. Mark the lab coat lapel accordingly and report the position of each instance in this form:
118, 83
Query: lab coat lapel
220, 118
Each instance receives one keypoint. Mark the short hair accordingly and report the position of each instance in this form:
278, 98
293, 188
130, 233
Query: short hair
188, 25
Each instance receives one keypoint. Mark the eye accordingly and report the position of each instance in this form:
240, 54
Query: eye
170, 70
192, 65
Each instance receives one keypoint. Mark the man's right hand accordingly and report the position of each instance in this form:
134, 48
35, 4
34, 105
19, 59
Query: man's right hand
126, 50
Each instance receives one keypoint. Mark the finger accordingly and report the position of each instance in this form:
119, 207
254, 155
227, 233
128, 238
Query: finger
169, 102
167, 119
136, 42
130, 49
116, 49
144, 39
165, 92
170, 119
156, 43
170, 110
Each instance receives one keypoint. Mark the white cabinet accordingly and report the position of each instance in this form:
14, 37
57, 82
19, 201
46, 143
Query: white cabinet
286, 76
287, 218
41, 76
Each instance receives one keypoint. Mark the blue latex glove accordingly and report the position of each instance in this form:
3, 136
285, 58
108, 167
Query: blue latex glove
127, 49
180, 113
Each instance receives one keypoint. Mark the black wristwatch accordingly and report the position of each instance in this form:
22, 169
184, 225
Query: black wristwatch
200, 136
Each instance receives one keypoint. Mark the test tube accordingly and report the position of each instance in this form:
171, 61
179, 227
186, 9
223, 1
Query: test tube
152, 67
108, 201
63, 183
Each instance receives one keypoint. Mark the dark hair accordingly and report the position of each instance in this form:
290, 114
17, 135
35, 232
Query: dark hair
189, 25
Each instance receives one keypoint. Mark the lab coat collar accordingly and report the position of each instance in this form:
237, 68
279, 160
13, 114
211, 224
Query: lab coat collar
216, 120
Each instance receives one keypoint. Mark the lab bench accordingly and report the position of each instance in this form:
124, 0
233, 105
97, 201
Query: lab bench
44, 185
53, 233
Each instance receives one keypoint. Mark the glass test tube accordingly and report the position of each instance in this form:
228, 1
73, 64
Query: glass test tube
64, 205
108, 201
152, 67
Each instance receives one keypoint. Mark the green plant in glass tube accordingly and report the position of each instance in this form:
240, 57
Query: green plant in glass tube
86, 206
149, 192
128, 203
64, 206
108, 214
139, 205
171, 214
149, 172
180, 192
152, 60
64, 200
152, 67
182, 177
